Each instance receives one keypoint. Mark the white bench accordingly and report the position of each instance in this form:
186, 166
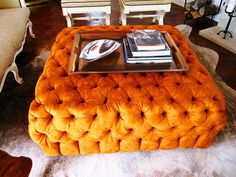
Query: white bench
14, 23
130, 6
71, 8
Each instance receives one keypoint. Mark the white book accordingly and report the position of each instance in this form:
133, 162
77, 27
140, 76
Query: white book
148, 40
149, 61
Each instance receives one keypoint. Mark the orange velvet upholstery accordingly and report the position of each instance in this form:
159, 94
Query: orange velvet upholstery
104, 113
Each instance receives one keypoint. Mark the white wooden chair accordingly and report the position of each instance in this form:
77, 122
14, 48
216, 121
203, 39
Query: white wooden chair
158, 6
76, 7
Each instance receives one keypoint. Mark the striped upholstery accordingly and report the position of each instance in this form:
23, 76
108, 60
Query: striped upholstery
84, 3
145, 2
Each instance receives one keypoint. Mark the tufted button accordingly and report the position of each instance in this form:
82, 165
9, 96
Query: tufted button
116, 86
74, 88
72, 116
130, 130
118, 115
138, 86
151, 129
157, 85
143, 74
119, 141
85, 133
214, 98
151, 98
172, 100
105, 101
64, 133
82, 101
64, 74
206, 110
108, 131
142, 114
95, 116
198, 82
159, 140
163, 113
68, 52
128, 99
185, 113
177, 84
84, 75
193, 98
43, 77
57, 65
51, 88
60, 102
104, 75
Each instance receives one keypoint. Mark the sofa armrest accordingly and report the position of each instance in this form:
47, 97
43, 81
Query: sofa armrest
12, 4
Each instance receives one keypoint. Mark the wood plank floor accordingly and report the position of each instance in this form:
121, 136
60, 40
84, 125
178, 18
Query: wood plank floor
48, 21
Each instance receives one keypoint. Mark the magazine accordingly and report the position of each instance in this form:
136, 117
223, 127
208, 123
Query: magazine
138, 53
148, 40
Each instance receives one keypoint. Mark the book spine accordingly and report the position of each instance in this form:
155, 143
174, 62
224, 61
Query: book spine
125, 51
149, 61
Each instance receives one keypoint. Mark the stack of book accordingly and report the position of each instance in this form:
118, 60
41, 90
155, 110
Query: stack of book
146, 46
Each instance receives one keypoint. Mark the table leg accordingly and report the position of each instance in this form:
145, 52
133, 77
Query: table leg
160, 17
69, 20
123, 19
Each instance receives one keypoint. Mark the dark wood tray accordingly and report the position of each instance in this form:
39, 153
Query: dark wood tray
115, 62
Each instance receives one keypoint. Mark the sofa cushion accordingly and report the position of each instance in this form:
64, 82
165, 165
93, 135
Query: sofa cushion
12, 30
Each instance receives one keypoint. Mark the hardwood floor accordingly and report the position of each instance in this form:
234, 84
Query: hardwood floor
48, 21
14, 166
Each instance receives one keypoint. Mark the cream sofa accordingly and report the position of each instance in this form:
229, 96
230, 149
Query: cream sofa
14, 22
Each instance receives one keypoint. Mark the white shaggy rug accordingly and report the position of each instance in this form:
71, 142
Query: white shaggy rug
219, 160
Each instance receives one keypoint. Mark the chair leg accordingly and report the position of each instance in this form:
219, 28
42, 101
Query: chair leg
30, 27
108, 22
13, 68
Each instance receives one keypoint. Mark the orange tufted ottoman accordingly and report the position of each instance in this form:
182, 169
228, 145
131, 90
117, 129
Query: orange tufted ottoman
103, 113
